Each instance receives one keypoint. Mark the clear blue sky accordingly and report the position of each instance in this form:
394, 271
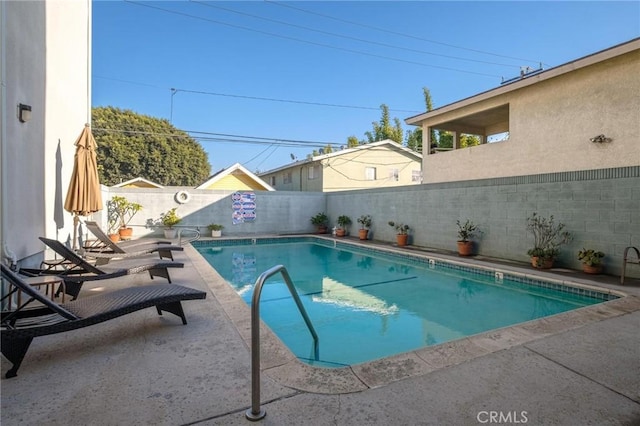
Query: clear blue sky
222, 56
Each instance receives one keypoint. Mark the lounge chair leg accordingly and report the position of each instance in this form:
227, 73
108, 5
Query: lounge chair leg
175, 308
72, 288
165, 254
14, 350
161, 272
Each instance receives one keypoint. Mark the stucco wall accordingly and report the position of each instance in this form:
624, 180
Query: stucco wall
23, 154
277, 212
45, 56
551, 124
348, 171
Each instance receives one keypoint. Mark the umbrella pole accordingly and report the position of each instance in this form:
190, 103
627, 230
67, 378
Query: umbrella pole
76, 219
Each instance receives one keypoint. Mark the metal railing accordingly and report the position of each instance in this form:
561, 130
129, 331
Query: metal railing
195, 237
256, 412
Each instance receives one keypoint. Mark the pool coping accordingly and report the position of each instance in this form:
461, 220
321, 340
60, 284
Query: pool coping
281, 365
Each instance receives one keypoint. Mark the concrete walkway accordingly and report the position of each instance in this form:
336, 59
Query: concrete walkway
576, 368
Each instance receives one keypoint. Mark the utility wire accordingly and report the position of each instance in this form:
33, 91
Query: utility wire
288, 100
259, 98
276, 3
373, 55
351, 37
219, 137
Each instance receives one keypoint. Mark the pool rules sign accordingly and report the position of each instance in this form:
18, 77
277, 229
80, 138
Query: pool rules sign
243, 205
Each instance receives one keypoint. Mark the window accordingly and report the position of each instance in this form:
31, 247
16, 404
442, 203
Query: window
272, 180
394, 174
370, 173
416, 176
314, 172
287, 178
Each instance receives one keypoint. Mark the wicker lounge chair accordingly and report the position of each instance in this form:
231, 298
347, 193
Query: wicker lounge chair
78, 270
20, 326
127, 248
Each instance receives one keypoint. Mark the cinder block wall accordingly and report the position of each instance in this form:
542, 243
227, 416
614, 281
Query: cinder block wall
601, 208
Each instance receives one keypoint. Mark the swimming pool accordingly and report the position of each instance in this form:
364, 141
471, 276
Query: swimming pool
367, 304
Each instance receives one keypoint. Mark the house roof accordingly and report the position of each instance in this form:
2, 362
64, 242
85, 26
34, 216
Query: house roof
140, 182
525, 81
385, 143
234, 169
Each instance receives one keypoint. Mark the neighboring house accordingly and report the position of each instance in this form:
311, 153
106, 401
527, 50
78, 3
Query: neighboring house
582, 115
235, 178
46, 56
138, 182
374, 165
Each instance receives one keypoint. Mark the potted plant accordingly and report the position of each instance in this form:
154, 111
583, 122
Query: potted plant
216, 230
591, 260
365, 224
343, 222
548, 236
402, 233
466, 231
169, 220
122, 211
320, 220
114, 225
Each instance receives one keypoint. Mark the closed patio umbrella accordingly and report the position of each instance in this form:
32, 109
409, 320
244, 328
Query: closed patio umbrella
83, 196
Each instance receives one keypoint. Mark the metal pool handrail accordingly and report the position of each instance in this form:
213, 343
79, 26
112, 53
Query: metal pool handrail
195, 237
256, 412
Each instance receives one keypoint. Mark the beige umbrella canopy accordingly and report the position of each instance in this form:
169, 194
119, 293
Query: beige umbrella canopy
83, 196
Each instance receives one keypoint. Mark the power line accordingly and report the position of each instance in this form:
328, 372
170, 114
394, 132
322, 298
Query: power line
351, 37
276, 3
219, 137
259, 98
288, 100
373, 55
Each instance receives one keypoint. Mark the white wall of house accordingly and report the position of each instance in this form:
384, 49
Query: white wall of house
44, 60
551, 123
378, 167
68, 104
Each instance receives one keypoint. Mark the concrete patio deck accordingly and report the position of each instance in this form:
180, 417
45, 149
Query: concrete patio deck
577, 368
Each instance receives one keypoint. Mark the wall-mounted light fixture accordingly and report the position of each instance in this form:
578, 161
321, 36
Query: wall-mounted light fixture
600, 139
24, 113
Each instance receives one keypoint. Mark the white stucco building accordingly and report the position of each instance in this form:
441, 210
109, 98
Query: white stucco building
551, 118
45, 56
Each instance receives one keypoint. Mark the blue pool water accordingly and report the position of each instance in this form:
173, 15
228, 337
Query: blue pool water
365, 305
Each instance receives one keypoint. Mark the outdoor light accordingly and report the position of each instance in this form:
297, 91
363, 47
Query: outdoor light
600, 139
24, 113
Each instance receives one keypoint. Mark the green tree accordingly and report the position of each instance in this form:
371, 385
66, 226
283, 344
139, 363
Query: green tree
414, 137
352, 142
384, 130
469, 140
132, 145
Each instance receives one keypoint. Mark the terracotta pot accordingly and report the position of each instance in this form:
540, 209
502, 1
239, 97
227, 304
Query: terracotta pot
125, 233
322, 230
595, 269
544, 263
465, 248
402, 239
363, 234
340, 232
114, 237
